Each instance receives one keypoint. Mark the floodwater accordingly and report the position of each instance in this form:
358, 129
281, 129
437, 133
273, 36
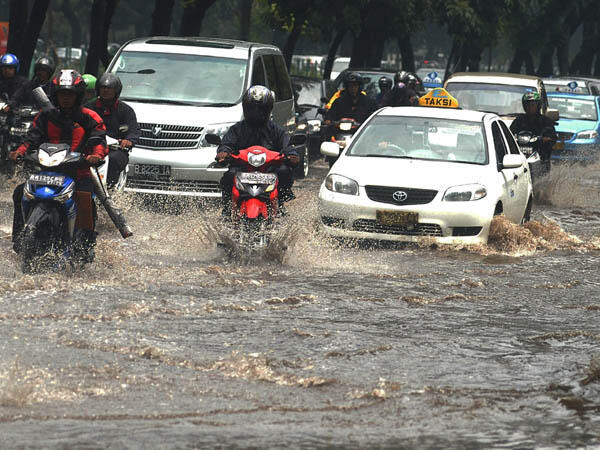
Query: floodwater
164, 342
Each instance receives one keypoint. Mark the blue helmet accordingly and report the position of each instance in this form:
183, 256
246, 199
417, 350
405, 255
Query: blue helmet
9, 60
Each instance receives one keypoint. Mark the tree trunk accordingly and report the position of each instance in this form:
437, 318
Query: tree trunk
245, 15
292, 40
368, 45
67, 10
36, 21
111, 6
451, 57
17, 25
100, 18
161, 17
193, 15
517, 61
407, 54
529, 69
546, 67
562, 54
337, 40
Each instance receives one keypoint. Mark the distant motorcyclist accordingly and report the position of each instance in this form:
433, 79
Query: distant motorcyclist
90, 87
257, 129
72, 124
385, 86
401, 94
9, 80
43, 70
538, 124
351, 104
120, 121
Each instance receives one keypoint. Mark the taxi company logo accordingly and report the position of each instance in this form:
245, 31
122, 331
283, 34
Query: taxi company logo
156, 129
399, 196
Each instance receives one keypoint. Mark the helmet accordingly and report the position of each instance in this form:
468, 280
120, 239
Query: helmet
385, 84
9, 60
532, 97
67, 80
109, 80
90, 81
353, 77
257, 104
401, 77
45, 63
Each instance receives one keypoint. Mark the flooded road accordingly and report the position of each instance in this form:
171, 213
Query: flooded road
165, 343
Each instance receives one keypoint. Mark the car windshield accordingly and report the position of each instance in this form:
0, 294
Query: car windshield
554, 87
309, 92
574, 108
497, 98
338, 66
422, 138
181, 79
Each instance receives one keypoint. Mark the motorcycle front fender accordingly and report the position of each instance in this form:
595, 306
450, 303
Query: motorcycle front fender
252, 208
40, 212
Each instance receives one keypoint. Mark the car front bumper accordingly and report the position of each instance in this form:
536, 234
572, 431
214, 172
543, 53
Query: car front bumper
584, 150
355, 217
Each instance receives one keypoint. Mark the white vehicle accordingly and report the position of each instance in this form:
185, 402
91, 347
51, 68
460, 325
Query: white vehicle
339, 65
426, 172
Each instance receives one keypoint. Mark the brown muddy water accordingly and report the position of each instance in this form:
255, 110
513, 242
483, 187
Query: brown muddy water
166, 343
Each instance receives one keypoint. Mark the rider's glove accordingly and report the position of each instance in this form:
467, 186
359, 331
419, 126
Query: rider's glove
222, 156
294, 160
93, 159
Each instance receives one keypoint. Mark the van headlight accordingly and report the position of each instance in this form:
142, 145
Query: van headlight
343, 185
587, 134
465, 193
217, 128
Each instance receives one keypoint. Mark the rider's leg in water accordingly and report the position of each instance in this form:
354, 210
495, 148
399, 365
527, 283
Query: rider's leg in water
226, 187
87, 237
285, 177
117, 161
18, 222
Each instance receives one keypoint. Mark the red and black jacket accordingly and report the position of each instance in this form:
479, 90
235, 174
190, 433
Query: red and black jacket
84, 131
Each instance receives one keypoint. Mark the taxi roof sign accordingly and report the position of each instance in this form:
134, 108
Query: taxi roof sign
439, 98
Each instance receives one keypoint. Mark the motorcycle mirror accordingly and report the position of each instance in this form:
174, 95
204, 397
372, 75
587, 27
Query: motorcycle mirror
213, 139
298, 139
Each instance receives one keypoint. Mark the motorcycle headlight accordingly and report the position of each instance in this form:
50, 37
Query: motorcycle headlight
257, 160
301, 127
315, 125
343, 185
51, 161
346, 126
587, 134
218, 128
465, 193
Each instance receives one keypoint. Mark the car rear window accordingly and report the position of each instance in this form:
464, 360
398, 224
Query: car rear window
500, 99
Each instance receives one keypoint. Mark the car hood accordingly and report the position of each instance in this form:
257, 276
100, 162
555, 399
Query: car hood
184, 115
573, 126
409, 172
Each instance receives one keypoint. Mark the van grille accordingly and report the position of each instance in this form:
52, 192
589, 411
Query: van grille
171, 137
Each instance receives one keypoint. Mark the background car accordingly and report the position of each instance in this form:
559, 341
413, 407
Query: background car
578, 127
574, 85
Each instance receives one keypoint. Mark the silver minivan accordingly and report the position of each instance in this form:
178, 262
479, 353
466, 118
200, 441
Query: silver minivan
183, 89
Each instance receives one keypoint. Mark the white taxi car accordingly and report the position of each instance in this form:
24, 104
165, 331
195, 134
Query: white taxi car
433, 171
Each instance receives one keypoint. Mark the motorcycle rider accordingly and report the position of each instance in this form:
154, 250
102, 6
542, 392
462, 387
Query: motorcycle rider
257, 129
9, 80
385, 85
351, 103
43, 70
72, 124
401, 94
538, 124
120, 121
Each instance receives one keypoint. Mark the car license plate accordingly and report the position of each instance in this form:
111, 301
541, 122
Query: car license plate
47, 180
403, 218
151, 171
257, 178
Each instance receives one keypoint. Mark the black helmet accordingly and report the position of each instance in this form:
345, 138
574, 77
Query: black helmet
109, 80
412, 81
353, 77
45, 63
67, 80
385, 84
532, 97
257, 104
401, 77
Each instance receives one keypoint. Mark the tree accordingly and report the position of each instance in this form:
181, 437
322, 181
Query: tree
17, 25
245, 16
101, 17
76, 33
161, 17
193, 15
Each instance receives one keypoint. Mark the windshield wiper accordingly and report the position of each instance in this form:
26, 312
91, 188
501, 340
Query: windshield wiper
142, 72
216, 105
158, 100
373, 155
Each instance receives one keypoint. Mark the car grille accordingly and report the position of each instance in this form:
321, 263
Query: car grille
174, 185
563, 136
421, 229
385, 194
171, 137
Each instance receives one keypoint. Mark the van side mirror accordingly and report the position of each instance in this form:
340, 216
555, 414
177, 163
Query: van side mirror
213, 139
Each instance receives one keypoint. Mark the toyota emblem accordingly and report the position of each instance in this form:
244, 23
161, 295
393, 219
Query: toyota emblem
399, 196
156, 129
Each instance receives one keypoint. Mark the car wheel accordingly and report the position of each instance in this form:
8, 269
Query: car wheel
527, 214
301, 171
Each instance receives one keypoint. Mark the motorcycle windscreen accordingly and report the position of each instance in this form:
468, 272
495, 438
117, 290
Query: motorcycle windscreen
85, 216
252, 208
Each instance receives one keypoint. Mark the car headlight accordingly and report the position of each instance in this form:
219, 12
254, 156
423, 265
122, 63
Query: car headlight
465, 193
343, 185
587, 134
217, 128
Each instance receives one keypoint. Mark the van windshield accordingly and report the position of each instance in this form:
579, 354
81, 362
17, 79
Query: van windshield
501, 99
180, 79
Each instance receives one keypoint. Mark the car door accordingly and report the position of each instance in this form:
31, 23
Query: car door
507, 176
523, 174
279, 82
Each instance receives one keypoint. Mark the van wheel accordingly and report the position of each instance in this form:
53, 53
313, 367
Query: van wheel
301, 171
527, 214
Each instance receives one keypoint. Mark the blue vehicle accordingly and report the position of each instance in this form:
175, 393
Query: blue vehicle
49, 206
578, 127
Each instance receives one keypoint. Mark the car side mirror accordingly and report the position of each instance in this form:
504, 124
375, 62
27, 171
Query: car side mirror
513, 161
552, 114
298, 139
213, 139
330, 149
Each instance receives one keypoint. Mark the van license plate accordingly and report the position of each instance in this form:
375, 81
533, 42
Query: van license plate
151, 171
402, 218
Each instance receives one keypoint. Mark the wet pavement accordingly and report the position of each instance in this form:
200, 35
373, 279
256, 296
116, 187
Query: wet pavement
164, 342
